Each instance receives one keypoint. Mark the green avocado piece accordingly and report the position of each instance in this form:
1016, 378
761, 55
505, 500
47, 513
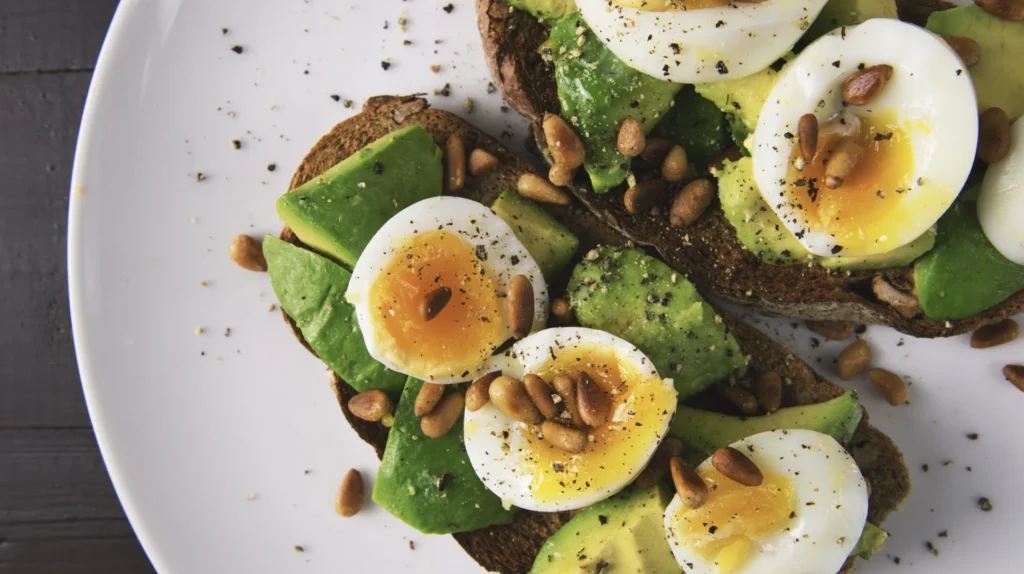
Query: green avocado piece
624, 534
696, 124
742, 97
598, 92
429, 483
872, 540
545, 9
964, 275
311, 289
548, 241
337, 213
707, 431
642, 300
998, 78
764, 235
838, 13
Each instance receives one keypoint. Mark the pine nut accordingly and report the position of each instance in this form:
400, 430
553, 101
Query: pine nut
566, 388
561, 312
736, 466
691, 488
435, 302
564, 438
658, 467
370, 406
520, 306
968, 49
509, 395
673, 169
1012, 10
1015, 374
993, 135
691, 202
247, 253
853, 360
443, 417
532, 186
842, 162
832, 330
864, 85
807, 129
631, 140
769, 391
428, 397
351, 494
565, 146
478, 393
540, 394
995, 334
593, 401
741, 398
454, 164
560, 175
655, 151
889, 385
481, 162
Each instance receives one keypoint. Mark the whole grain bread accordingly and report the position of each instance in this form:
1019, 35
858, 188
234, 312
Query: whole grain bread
709, 249
510, 549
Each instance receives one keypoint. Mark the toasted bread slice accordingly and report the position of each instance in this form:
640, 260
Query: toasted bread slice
710, 250
510, 549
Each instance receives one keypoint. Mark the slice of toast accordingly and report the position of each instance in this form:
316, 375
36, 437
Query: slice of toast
709, 249
510, 549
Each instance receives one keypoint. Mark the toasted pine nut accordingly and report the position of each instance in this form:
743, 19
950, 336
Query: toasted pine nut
443, 417
691, 202
478, 393
1015, 374
993, 135
842, 162
481, 162
351, 494
658, 467
560, 175
995, 334
370, 406
864, 85
593, 401
674, 167
889, 385
247, 252
454, 163
631, 140
968, 49
655, 151
853, 360
509, 395
736, 466
642, 197
540, 394
769, 391
1012, 10
832, 330
428, 397
807, 129
741, 398
435, 302
520, 306
535, 187
566, 388
690, 487
564, 438
565, 146
561, 312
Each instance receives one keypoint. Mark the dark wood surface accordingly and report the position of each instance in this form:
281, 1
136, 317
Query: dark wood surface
58, 511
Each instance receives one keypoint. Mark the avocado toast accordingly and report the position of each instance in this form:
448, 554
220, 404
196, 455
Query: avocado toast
737, 249
512, 543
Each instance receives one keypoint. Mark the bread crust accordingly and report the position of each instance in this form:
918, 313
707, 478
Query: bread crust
709, 249
510, 549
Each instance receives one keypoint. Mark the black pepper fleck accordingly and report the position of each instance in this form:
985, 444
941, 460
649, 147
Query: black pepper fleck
237, 49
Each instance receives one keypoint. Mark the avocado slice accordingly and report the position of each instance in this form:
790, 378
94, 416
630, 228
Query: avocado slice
311, 289
598, 92
545, 9
998, 77
838, 13
742, 97
696, 124
708, 431
872, 540
965, 274
641, 299
620, 535
428, 483
337, 213
762, 233
550, 243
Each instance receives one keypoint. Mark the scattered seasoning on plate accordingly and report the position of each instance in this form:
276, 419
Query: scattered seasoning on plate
468, 105
448, 7
336, 97
944, 534
347, 103
227, 331
436, 68
237, 49
491, 88
385, 64
924, 468
199, 331
298, 549
931, 548
445, 91
272, 167
237, 144
224, 31
985, 504
973, 436
200, 176
272, 308
412, 545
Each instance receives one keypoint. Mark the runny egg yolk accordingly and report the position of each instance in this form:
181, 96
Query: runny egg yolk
727, 528
469, 328
670, 5
638, 411
866, 205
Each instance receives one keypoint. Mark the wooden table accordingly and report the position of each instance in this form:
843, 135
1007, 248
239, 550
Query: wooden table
58, 511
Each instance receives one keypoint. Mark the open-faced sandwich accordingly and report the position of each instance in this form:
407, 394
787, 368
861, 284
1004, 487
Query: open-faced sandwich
815, 158
557, 399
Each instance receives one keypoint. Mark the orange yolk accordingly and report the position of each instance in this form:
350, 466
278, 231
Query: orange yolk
639, 410
469, 328
866, 206
726, 529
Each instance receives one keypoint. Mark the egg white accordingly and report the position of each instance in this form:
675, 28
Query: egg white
705, 45
470, 221
1001, 202
502, 463
931, 94
831, 506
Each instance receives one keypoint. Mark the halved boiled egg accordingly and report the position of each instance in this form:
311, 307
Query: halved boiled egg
805, 517
514, 460
1001, 202
917, 138
430, 289
691, 41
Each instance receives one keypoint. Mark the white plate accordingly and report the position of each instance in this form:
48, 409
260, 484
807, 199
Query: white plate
189, 437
